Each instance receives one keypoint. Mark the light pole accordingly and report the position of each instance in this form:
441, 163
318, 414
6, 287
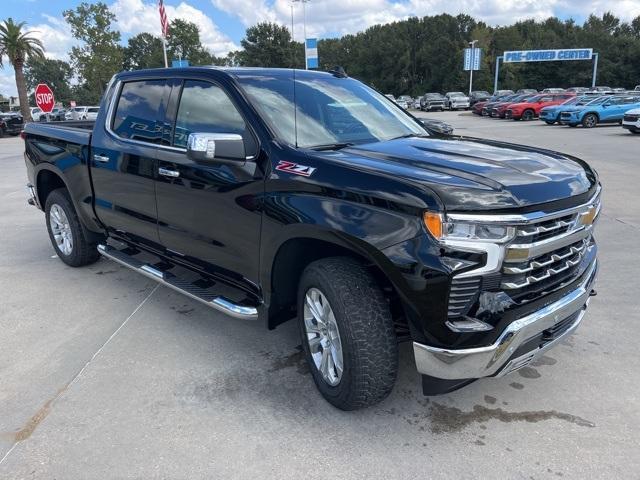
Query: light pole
304, 25
292, 37
473, 48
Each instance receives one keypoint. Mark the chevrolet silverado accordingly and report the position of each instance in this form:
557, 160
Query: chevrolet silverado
278, 194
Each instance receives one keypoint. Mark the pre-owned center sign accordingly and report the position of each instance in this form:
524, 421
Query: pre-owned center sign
559, 55
548, 55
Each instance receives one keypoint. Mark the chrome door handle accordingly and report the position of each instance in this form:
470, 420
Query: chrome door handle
101, 158
165, 172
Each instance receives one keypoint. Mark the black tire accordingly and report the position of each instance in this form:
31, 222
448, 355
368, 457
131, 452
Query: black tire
549, 122
528, 115
636, 131
573, 125
82, 251
590, 120
366, 332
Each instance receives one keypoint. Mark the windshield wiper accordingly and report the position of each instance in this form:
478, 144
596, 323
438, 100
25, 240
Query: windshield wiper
331, 146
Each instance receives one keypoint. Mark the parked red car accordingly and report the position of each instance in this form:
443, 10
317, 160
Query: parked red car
477, 107
531, 108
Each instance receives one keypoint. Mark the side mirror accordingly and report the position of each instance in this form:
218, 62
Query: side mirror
213, 146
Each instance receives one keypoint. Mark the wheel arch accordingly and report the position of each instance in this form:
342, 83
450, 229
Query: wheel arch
293, 255
49, 178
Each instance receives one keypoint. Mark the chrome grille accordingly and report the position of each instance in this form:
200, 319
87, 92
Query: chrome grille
542, 267
548, 251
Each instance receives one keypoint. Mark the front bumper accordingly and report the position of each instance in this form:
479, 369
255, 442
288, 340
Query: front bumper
516, 347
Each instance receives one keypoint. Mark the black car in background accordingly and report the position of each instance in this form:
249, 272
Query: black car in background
432, 101
10, 123
479, 96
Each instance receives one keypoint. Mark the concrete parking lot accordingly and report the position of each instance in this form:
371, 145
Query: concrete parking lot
103, 374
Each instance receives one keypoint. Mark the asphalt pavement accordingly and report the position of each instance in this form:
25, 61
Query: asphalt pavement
105, 375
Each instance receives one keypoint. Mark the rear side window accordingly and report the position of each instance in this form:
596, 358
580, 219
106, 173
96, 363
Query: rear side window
138, 109
206, 108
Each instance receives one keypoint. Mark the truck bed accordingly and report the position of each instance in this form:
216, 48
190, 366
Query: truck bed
78, 132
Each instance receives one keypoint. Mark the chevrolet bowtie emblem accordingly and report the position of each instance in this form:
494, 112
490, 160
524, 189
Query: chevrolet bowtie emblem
587, 217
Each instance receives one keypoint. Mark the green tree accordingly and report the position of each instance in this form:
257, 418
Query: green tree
183, 42
101, 55
269, 45
143, 51
19, 46
55, 73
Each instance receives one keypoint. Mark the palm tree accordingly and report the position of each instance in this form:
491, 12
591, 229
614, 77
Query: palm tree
19, 45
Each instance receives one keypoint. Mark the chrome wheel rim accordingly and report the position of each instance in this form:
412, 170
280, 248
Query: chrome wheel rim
61, 229
528, 115
323, 336
591, 121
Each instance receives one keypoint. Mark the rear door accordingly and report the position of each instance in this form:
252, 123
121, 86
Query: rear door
209, 211
123, 159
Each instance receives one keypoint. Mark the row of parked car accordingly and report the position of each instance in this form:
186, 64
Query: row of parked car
65, 114
431, 101
11, 123
568, 108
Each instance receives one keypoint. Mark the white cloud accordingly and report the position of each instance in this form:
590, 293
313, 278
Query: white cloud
136, 16
8, 82
56, 36
327, 17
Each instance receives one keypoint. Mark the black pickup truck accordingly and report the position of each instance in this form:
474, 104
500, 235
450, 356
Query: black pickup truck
273, 194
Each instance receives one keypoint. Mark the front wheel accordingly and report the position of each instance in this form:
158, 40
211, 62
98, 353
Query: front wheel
65, 231
590, 120
528, 115
347, 333
549, 122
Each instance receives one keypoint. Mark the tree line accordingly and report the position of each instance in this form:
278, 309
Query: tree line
411, 56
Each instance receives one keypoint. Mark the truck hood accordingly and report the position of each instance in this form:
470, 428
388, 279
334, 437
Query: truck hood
474, 174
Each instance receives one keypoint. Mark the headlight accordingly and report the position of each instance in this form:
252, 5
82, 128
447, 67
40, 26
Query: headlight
443, 230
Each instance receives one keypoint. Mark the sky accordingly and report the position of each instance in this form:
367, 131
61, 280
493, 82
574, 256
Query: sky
222, 23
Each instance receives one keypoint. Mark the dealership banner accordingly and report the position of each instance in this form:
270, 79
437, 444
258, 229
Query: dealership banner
548, 55
311, 52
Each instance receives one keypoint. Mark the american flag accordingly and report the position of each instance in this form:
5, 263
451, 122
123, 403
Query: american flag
164, 22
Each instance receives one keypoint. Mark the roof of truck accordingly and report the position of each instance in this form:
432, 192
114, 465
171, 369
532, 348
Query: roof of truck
232, 71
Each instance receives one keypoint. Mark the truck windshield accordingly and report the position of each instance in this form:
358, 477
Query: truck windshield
329, 110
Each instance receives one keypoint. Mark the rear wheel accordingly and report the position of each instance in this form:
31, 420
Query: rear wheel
65, 231
528, 115
347, 333
549, 122
590, 120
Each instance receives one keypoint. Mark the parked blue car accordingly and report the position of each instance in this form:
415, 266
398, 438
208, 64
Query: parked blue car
603, 110
551, 114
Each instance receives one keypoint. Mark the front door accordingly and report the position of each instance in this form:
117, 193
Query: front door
123, 160
208, 211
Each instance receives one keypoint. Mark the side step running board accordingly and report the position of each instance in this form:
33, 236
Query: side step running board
216, 302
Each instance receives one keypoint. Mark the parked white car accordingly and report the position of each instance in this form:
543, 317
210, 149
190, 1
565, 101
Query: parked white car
92, 113
76, 113
631, 120
35, 113
405, 101
456, 100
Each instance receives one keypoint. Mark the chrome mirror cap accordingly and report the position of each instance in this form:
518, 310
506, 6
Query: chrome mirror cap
211, 146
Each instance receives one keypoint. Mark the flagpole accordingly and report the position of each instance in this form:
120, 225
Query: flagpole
164, 50
164, 26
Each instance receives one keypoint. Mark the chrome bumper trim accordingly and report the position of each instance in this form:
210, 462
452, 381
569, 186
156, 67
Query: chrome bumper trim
486, 361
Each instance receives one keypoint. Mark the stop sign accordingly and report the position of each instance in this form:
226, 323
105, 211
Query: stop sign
44, 98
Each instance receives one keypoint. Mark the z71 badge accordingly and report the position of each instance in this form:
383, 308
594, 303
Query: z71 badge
295, 168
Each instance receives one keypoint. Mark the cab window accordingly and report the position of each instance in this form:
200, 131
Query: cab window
206, 108
138, 110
